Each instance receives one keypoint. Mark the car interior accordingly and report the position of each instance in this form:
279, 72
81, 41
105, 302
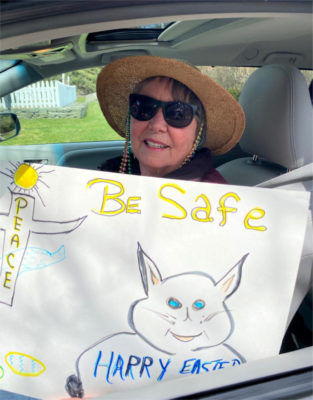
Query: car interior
276, 149
213, 41
278, 113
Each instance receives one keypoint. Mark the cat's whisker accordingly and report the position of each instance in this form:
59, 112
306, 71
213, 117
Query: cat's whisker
212, 315
166, 317
205, 334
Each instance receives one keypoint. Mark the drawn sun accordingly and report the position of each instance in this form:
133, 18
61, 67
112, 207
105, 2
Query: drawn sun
26, 178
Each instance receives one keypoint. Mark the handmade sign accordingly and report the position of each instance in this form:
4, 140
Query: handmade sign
110, 281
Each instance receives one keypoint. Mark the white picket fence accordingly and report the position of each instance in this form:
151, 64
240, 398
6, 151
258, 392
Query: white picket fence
44, 94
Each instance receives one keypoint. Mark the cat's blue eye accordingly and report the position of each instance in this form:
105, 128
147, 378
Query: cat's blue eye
174, 303
198, 304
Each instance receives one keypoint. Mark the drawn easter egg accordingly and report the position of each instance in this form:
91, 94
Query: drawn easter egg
24, 365
1, 372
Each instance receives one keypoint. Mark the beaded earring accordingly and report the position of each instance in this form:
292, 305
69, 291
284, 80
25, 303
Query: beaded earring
126, 161
194, 147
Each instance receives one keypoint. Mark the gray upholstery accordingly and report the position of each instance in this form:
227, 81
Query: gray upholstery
278, 129
91, 158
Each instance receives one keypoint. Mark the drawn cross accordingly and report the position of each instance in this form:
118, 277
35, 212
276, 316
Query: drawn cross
17, 225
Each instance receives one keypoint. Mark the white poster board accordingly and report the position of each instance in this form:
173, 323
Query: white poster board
110, 281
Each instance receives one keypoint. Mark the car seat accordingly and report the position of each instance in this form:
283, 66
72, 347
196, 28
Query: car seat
278, 132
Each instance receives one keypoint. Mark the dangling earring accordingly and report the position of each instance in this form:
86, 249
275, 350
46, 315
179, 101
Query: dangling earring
194, 147
126, 161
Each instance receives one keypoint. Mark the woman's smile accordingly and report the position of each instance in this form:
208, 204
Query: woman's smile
155, 145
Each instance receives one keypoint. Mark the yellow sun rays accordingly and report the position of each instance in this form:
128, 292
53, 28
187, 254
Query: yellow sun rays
25, 178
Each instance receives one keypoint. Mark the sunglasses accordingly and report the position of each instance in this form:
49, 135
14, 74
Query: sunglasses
176, 113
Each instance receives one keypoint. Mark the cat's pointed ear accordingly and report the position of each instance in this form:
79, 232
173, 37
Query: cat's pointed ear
150, 275
230, 282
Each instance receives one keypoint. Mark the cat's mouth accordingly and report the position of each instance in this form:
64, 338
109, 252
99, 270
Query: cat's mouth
185, 338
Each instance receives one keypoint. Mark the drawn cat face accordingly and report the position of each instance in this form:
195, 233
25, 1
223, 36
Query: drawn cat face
184, 312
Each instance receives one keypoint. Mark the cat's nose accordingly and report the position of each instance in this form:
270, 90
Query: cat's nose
187, 315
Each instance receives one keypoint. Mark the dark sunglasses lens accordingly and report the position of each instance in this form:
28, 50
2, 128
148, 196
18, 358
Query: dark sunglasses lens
142, 108
178, 114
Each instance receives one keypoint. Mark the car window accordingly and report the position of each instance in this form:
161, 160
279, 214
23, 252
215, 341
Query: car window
64, 108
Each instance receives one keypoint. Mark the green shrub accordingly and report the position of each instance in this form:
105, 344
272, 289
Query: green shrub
84, 80
235, 92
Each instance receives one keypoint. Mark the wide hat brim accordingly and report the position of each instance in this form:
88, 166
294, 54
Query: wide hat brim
224, 116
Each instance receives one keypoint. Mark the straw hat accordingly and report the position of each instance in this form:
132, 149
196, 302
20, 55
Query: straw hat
224, 116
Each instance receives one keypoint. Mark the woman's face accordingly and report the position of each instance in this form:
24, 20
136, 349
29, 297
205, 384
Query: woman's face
159, 147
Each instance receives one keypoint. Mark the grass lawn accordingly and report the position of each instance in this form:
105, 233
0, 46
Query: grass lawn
91, 128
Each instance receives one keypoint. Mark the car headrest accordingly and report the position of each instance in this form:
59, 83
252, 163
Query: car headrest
278, 111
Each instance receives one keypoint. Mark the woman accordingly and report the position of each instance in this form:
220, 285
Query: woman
171, 115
